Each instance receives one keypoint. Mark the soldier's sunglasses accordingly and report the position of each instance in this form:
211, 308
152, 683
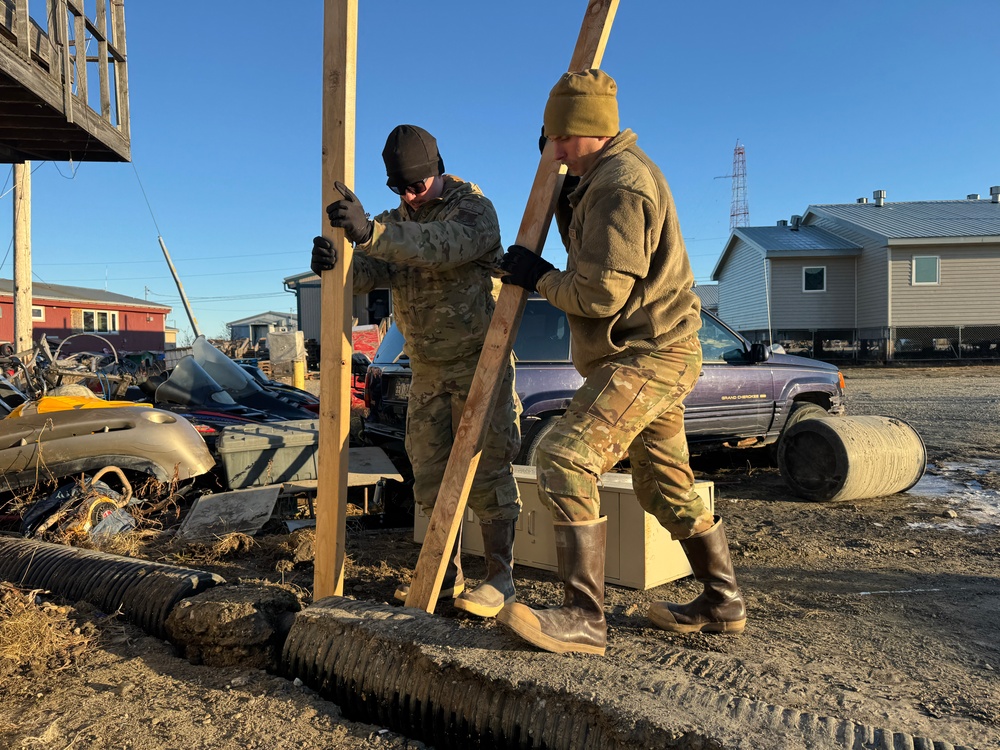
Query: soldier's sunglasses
416, 188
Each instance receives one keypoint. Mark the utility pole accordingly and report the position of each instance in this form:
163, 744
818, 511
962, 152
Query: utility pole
22, 258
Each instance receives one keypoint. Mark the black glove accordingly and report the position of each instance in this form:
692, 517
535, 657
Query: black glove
324, 255
524, 267
350, 215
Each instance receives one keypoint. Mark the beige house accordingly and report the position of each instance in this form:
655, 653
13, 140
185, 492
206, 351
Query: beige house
871, 279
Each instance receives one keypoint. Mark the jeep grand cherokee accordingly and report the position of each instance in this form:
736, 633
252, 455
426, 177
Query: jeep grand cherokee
746, 396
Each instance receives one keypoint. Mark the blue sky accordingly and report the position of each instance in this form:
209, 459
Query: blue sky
831, 101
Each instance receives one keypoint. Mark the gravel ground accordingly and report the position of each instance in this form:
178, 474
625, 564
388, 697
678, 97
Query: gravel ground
882, 612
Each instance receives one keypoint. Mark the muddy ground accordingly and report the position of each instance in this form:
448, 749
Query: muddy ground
883, 612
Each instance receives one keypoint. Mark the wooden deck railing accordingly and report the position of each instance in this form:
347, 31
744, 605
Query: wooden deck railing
65, 50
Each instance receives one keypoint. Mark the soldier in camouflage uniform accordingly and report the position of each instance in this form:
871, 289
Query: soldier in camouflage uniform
634, 320
436, 251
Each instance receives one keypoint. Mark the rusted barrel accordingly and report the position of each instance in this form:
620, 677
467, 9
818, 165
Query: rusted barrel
851, 458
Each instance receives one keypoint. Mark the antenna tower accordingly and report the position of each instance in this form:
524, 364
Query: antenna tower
739, 212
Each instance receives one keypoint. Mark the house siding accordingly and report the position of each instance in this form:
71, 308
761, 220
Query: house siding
872, 271
744, 307
310, 310
966, 274
792, 308
139, 329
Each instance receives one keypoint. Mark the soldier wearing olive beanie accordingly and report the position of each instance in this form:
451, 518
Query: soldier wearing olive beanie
634, 320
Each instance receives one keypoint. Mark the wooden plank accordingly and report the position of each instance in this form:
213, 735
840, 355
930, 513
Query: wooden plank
467, 448
102, 59
22, 26
62, 24
80, 46
121, 68
340, 39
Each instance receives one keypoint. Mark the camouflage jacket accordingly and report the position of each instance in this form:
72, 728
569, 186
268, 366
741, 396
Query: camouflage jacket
438, 262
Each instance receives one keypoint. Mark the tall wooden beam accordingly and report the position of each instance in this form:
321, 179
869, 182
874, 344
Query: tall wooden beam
467, 449
340, 42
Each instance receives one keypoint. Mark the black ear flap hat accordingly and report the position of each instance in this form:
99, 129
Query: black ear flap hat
410, 155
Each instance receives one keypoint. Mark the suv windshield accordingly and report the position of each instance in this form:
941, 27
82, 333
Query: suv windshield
542, 337
391, 348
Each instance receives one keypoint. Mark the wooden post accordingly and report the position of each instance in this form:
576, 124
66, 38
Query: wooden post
467, 448
340, 42
121, 66
22, 259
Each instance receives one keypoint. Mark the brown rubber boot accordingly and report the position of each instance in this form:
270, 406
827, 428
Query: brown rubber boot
491, 595
720, 607
453, 583
579, 624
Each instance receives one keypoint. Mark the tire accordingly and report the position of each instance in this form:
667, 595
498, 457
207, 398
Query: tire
66, 495
544, 428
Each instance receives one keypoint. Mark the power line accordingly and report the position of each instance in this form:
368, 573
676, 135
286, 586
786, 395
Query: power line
160, 260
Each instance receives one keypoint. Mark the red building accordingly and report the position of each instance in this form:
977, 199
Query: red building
130, 324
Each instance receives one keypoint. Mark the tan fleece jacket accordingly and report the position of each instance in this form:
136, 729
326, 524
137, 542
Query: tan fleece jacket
627, 285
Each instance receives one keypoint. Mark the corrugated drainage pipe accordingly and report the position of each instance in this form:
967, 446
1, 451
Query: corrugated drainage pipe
143, 591
403, 669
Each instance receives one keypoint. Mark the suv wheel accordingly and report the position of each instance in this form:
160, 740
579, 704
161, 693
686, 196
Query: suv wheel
544, 427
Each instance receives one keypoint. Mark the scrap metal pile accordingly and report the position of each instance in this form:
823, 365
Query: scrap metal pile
92, 443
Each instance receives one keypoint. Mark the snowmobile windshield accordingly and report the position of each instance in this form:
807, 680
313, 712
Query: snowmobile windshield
222, 369
190, 385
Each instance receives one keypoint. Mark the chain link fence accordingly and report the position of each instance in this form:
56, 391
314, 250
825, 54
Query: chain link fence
899, 343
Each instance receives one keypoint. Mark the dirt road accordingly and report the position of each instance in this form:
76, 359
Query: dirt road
880, 612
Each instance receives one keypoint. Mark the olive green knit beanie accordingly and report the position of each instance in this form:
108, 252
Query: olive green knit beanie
582, 103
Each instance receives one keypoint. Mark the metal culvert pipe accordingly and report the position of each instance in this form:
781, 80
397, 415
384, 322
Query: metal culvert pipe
143, 591
851, 458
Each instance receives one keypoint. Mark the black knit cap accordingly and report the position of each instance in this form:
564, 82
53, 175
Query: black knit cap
410, 155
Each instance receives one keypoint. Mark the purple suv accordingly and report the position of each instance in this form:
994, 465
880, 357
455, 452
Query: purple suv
746, 396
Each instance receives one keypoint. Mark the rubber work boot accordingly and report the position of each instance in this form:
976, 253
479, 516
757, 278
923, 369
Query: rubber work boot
491, 595
720, 607
453, 582
579, 624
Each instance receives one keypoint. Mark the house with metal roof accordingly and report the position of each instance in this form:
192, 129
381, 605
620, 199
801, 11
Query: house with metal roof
870, 279
257, 326
128, 324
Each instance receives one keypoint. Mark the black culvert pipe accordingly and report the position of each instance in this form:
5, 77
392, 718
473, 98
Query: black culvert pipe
145, 592
384, 665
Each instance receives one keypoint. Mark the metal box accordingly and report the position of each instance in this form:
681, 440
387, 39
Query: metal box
640, 552
269, 453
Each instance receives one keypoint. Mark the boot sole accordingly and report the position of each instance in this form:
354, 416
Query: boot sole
480, 610
400, 595
732, 628
537, 638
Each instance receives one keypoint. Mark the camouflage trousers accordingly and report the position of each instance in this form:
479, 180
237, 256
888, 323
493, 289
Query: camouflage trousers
632, 405
437, 399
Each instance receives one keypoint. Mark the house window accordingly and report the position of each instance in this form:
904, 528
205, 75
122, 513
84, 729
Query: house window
926, 269
38, 313
100, 321
814, 279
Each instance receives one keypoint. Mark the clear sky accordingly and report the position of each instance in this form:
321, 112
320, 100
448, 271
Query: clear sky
831, 101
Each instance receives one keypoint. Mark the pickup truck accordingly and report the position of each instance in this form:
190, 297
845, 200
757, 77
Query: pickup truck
747, 395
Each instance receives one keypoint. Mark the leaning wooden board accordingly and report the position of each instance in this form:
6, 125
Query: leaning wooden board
454, 492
